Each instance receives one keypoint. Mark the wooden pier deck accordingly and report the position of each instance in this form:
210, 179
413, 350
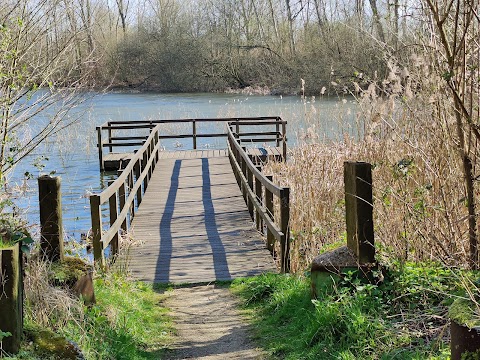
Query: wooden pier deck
194, 223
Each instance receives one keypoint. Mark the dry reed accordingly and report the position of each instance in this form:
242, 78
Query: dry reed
420, 209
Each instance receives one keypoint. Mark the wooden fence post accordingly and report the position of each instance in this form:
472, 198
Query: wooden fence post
110, 147
11, 298
250, 185
100, 147
359, 210
258, 194
113, 206
50, 198
269, 206
284, 226
122, 196
194, 135
96, 216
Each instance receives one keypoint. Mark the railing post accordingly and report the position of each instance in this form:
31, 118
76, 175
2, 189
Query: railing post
100, 148
138, 172
144, 165
194, 135
50, 199
237, 128
110, 136
130, 182
258, 194
359, 210
244, 171
277, 129
269, 206
97, 230
156, 136
122, 198
284, 140
250, 185
113, 206
149, 155
284, 226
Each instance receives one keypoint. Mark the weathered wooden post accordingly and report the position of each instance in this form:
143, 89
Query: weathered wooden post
269, 206
250, 185
50, 198
359, 254
359, 210
285, 227
11, 298
258, 194
113, 206
194, 133
96, 217
100, 148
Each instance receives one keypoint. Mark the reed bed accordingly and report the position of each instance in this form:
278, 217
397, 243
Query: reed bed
420, 208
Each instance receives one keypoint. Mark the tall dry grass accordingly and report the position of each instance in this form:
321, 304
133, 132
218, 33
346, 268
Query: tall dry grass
407, 132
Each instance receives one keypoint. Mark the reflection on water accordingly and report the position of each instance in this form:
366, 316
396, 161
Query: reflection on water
73, 155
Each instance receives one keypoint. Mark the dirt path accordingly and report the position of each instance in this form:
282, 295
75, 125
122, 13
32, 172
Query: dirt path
209, 325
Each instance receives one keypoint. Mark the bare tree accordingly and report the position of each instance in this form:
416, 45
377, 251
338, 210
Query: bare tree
456, 32
40, 79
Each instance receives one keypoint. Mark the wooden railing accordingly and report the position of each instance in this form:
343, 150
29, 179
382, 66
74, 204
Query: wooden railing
259, 191
110, 141
128, 189
120, 196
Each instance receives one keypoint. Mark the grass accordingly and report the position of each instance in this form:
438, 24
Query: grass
403, 317
128, 321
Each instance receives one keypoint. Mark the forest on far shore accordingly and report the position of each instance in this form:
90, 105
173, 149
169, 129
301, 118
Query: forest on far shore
215, 45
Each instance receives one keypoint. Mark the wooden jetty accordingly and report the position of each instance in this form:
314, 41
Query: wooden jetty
200, 215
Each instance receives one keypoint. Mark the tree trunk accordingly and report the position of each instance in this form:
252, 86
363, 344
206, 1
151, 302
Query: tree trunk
376, 20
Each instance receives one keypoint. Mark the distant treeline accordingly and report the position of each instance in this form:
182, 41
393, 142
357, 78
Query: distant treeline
213, 45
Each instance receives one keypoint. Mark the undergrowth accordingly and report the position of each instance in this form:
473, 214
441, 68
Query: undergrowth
128, 321
404, 316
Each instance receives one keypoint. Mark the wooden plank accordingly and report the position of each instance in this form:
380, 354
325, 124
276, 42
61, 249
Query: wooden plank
194, 225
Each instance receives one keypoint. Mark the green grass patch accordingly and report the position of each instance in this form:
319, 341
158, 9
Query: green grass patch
127, 322
402, 317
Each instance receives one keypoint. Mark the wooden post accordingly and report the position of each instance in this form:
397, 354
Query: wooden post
50, 198
258, 194
237, 128
130, 182
194, 135
11, 298
277, 129
359, 210
284, 140
250, 185
156, 142
100, 148
144, 165
244, 172
284, 226
122, 198
112, 202
269, 206
110, 147
97, 231
138, 172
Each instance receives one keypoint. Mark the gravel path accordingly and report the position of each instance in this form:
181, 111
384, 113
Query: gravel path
209, 325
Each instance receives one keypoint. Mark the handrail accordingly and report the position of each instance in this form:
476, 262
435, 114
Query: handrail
133, 180
278, 136
260, 197
121, 195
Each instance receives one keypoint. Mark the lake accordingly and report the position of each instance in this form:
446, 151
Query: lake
73, 155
